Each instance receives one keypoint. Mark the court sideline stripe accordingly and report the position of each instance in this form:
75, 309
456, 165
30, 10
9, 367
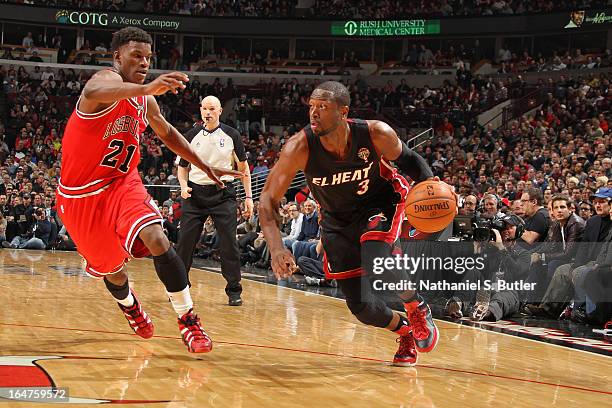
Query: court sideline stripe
572, 387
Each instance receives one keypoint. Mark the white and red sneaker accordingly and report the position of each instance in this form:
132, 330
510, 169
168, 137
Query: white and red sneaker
138, 319
193, 335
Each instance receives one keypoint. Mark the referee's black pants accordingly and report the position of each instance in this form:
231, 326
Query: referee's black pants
221, 206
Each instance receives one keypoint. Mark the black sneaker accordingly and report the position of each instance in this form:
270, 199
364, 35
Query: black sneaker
234, 299
233, 293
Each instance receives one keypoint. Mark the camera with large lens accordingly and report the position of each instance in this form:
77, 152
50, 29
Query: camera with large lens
482, 229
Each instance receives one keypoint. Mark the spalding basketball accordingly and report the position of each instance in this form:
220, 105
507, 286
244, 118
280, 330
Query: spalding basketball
431, 206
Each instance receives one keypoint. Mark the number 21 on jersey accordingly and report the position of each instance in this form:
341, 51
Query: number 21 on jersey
117, 146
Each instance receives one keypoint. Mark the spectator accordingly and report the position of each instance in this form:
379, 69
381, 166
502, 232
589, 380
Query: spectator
296, 225
565, 231
35, 57
242, 109
310, 222
538, 220
560, 289
28, 41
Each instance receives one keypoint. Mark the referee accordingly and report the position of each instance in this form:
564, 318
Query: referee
220, 146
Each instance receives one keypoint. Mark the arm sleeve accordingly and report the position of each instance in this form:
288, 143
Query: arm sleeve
413, 165
191, 133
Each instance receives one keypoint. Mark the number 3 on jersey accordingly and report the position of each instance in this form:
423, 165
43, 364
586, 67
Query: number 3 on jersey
363, 186
117, 147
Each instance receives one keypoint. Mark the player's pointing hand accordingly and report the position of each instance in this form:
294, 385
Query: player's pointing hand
173, 81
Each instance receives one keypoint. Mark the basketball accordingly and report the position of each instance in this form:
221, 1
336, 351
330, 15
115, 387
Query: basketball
431, 206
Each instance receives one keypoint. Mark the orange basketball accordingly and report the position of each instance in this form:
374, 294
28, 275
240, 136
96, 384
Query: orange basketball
430, 206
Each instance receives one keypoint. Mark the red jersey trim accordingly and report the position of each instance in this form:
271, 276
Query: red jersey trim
95, 115
89, 189
95, 274
400, 185
352, 273
148, 219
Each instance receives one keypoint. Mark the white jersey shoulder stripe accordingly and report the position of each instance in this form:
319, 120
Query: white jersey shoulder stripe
95, 115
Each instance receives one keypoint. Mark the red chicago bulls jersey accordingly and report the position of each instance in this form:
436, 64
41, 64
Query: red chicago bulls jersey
100, 147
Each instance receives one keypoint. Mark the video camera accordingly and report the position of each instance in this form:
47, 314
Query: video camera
484, 226
478, 228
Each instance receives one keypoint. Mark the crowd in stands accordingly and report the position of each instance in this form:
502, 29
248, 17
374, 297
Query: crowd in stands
443, 8
108, 5
562, 148
210, 8
419, 58
415, 107
329, 9
513, 63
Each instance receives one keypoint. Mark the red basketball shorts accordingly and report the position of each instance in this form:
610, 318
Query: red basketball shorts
104, 223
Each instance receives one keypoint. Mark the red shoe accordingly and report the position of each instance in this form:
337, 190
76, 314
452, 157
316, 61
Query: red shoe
138, 319
194, 337
423, 327
406, 355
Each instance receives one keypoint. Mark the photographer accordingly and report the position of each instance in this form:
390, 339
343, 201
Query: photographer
64, 242
508, 260
19, 221
37, 237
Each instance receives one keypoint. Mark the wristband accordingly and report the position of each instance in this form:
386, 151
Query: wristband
247, 197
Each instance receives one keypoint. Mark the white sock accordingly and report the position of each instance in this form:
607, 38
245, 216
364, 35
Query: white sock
181, 301
128, 301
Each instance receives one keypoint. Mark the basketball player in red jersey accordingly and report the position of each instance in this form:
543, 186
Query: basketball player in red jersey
102, 200
361, 198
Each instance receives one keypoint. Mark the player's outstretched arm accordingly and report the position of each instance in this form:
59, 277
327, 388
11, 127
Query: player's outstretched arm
107, 87
178, 144
293, 157
392, 148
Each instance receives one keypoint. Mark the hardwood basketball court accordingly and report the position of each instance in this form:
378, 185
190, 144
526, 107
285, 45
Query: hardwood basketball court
283, 347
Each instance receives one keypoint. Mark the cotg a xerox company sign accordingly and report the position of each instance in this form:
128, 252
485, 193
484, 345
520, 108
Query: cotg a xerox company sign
90, 18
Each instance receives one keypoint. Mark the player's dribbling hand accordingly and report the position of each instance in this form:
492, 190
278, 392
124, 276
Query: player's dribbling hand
186, 193
283, 264
436, 178
173, 81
